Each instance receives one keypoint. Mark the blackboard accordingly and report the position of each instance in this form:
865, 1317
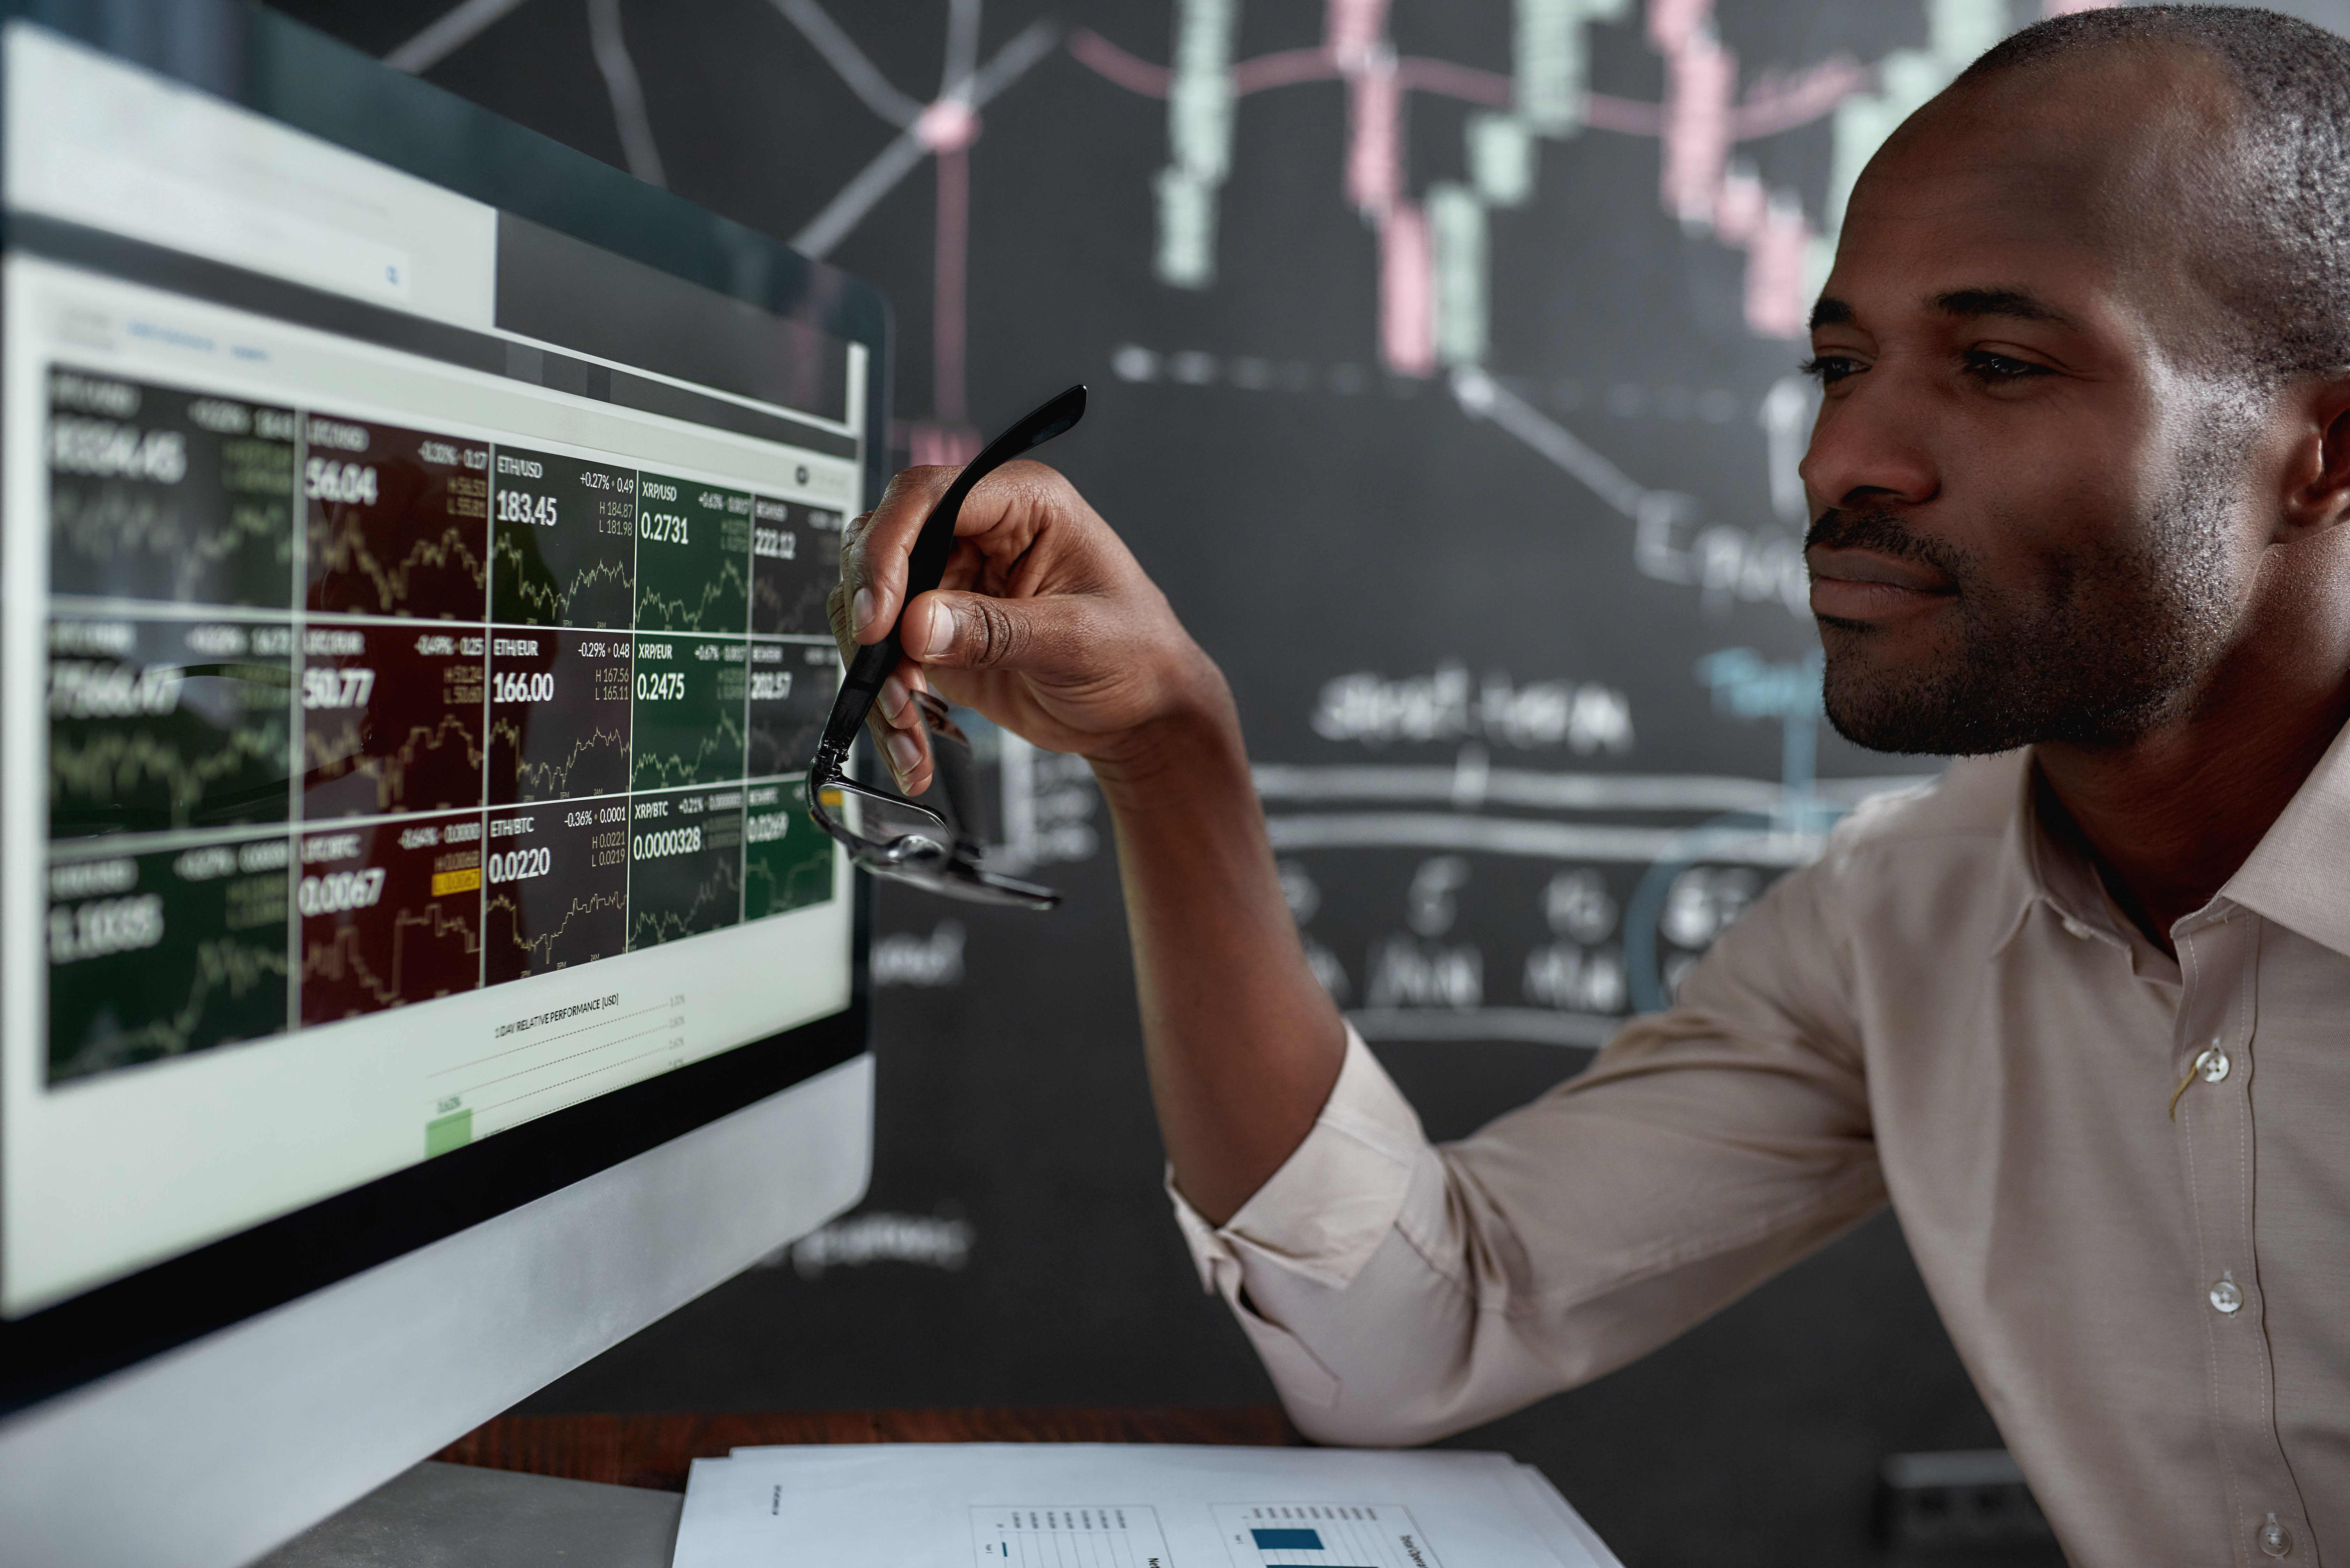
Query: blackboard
1443, 365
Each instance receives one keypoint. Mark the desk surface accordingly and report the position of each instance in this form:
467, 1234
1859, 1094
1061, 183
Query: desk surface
656, 1451
545, 1517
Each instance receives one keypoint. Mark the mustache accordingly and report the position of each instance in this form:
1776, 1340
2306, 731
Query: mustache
1874, 528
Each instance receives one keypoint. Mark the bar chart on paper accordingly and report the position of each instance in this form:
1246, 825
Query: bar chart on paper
1322, 1535
1055, 1535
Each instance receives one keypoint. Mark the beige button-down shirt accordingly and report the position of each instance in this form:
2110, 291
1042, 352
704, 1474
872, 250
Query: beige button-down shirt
1944, 1011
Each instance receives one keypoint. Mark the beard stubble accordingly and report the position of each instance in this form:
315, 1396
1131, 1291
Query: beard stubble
2096, 653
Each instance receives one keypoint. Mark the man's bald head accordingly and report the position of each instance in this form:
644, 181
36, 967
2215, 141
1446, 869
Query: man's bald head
2084, 354
2271, 221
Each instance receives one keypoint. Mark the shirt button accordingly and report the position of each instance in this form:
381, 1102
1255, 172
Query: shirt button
2227, 1297
2073, 927
2214, 1063
2274, 1539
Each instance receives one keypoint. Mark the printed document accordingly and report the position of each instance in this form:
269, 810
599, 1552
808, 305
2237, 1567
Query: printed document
1120, 1505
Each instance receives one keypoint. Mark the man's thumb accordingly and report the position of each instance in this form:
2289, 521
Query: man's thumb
964, 631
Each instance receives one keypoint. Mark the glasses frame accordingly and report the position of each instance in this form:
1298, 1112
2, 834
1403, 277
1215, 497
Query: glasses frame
949, 864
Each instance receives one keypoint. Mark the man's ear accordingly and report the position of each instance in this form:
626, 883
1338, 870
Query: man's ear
2317, 494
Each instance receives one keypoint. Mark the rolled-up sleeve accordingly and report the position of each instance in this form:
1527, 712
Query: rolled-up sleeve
1397, 1291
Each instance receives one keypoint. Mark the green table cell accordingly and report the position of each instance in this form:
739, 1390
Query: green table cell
786, 858
687, 710
685, 865
164, 954
694, 556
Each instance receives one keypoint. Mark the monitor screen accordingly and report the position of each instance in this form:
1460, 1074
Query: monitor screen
412, 640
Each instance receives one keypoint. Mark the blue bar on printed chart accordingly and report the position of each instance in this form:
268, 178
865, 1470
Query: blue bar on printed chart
1287, 1539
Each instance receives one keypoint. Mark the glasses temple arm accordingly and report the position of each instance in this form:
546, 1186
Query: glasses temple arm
925, 565
858, 688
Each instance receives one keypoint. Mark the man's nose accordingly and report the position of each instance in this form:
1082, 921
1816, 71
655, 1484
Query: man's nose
1867, 446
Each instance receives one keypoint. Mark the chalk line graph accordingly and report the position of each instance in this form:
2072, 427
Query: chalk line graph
1434, 243
943, 131
1434, 247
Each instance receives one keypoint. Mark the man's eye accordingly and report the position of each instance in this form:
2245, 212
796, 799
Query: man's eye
1829, 368
1983, 365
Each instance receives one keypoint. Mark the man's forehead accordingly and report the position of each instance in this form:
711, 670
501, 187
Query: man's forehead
2127, 109
2047, 198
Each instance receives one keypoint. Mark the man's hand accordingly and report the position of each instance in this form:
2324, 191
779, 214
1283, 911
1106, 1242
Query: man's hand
1045, 624
1043, 621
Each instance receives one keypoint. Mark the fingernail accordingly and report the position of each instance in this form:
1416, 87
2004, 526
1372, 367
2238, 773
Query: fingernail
904, 753
942, 631
893, 697
861, 609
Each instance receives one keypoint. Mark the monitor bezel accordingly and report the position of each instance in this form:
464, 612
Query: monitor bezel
268, 63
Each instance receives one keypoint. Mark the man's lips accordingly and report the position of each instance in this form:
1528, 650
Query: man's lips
1865, 585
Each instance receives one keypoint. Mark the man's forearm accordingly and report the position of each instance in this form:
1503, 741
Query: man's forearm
1049, 628
1242, 1042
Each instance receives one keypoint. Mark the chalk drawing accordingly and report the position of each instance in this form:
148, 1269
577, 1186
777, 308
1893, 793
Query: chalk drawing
1533, 1025
880, 1237
932, 962
1049, 802
1606, 843
610, 45
1577, 905
1670, 540
1408, 973
1569, 977
1447, 704
1433, 249
1472, 783
942, 130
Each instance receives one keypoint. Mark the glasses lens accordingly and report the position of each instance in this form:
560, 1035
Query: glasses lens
926, 844
882, 830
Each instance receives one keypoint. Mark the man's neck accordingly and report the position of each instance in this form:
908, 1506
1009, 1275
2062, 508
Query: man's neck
2171, 816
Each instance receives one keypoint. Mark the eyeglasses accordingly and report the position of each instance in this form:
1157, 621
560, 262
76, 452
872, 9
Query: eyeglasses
885, 834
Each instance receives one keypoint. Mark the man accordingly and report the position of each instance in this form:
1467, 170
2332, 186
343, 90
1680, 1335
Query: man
2081, 1011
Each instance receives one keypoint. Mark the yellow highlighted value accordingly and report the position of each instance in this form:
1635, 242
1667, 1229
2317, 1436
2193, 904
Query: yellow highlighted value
444, 882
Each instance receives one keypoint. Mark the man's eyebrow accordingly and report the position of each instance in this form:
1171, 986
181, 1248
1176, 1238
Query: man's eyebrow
1830, 312
2015, 304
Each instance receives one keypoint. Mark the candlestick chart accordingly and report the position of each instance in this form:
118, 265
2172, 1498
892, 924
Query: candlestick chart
389, 916
164, 954
392, 721
158, 492
685, 858
563, 538
558, 724
397, 520
556, 893
156, 725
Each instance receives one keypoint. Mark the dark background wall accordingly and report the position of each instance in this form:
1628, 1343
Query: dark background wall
1458, 646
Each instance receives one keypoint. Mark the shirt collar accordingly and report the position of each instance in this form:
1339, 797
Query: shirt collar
2299, 873
2049, 864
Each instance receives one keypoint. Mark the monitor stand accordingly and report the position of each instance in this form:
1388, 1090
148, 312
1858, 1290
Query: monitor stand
459, 1514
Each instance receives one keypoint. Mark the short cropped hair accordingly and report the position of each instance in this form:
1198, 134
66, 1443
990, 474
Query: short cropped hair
2289, 266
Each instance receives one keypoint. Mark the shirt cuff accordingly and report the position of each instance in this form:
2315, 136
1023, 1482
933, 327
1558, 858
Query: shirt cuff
1334, 1199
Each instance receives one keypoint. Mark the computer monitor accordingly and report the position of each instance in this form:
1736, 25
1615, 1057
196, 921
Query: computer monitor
418, 970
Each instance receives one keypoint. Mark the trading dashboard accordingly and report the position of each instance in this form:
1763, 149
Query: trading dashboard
405, 716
